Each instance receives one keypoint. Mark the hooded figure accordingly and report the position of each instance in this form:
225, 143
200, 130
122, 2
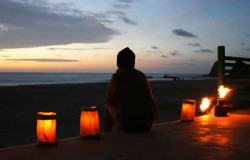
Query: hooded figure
129, 102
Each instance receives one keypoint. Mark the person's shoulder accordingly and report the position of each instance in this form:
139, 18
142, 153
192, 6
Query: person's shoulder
119, 73
139, 72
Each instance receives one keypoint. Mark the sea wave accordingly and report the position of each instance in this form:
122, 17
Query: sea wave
13, 78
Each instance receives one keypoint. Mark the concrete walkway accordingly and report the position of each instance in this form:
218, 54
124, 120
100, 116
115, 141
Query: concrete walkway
208, 137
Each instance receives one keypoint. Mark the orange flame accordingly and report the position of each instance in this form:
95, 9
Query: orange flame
205, 103
223, 91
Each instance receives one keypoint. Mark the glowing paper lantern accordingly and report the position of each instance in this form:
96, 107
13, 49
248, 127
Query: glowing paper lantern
188, 110
46, 128
89, 123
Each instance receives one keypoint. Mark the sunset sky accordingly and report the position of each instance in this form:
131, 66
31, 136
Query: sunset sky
167, 36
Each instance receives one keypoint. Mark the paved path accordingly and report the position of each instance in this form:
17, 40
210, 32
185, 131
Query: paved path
208, 137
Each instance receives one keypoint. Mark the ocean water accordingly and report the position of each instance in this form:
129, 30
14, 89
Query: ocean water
25, 78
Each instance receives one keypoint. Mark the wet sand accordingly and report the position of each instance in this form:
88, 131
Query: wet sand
19, 105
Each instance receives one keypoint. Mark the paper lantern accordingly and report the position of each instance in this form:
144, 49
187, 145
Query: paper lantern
188, 110
46, 128
89, 123
221, 110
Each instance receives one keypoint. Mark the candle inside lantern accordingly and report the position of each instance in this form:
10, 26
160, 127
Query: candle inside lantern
89, 123
46, 128
222, 91
188, 110
205, 105
220, 108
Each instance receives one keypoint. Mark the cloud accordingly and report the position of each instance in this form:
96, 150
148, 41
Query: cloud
44, 60
248, 49
3, 28
192, 60
149, 52
183, 33
117, 13
243, 44
248, 34
75, 49
194, 44
122, 16
205, 51
179, 64
175, 53
164, 56
127, 1
121, 6
100, 48
5, 56
25, 24
154, 47
67, 49
127, 20
154, 51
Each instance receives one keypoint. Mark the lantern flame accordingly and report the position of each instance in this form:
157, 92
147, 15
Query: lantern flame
205, 103
46, 113
223, 91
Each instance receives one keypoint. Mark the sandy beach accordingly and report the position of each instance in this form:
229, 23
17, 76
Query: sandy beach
20, 104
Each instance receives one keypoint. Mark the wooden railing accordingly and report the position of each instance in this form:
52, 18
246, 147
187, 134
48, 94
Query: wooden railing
227, 61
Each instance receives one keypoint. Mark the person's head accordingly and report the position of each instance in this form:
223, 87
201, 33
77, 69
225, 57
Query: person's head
126, 59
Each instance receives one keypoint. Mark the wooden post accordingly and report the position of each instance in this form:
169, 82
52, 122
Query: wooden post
221, 65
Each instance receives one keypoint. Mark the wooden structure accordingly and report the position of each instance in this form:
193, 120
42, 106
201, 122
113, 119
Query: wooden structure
227, 61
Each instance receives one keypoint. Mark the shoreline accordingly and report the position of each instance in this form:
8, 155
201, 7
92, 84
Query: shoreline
149, 79
17, 79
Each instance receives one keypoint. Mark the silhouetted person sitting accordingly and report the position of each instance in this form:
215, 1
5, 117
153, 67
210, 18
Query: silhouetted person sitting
129, 103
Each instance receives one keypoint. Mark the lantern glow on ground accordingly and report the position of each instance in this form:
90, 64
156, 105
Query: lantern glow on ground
188, 110
89, 122
46, 128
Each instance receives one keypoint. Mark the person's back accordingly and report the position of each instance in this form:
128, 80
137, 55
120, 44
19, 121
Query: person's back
133, 100
129, 100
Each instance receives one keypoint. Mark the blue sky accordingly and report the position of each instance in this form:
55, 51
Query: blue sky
167, 36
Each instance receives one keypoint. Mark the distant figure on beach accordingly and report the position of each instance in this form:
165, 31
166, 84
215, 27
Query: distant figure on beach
129, 102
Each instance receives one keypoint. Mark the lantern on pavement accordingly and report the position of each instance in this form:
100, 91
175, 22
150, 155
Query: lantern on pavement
188, 110
46, 128
89, 123
220, 107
